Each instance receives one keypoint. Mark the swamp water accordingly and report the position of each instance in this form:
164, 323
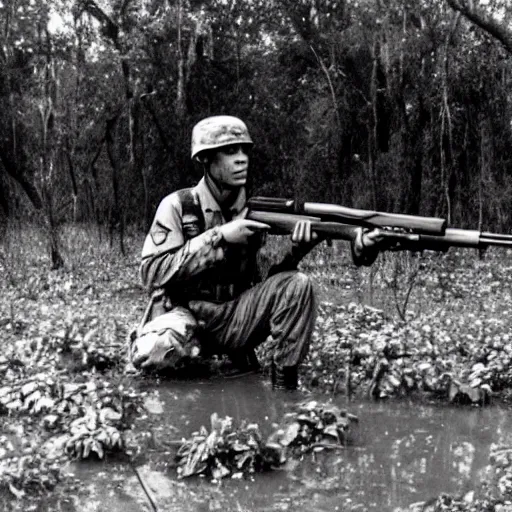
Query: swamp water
401, 453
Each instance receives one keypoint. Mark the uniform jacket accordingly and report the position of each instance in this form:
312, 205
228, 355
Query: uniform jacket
185, 254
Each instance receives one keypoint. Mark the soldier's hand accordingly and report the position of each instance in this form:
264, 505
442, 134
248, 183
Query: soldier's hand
238, 231
368, 240
372, 238
387, 239
302, 233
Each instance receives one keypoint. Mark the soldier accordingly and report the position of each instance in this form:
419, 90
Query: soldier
200, 256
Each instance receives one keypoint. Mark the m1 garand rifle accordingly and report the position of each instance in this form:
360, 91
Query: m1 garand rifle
400, 231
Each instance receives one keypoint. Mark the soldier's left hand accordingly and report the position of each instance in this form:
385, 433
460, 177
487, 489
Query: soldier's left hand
368, 240
304, 235
372, 238
378, 239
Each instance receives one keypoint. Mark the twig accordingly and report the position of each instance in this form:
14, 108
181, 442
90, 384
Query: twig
127, 288
378, 373
144, 487
329, 446
348, 373
331, 87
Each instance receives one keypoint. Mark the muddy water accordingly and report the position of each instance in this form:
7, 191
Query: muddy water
401, 453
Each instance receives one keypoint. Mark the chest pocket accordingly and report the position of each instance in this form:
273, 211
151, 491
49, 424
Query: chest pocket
192, 214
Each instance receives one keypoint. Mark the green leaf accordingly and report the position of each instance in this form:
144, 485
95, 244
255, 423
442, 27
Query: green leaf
393, 380
44, 403
306, 418
109, 415
16, 492
220, 471
453, 391
332, 431
195, 462
290, 434
243, 459
98, 449
86, 450
237, 446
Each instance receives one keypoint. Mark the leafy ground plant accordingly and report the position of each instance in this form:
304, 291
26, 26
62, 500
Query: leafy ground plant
29, 474
224, 451
65, 330
232, 452
493, 495
461, 358
56, 404
313, 426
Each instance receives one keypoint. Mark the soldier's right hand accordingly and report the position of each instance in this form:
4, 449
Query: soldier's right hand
238, 231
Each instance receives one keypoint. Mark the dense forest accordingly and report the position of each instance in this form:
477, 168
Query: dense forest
400, 105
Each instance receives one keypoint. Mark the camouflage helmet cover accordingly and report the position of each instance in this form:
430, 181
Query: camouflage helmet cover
218, 131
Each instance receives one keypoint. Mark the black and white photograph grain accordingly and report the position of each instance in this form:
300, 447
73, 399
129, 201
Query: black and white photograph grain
256, 256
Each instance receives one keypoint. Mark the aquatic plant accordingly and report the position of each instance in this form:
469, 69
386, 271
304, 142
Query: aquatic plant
227, 451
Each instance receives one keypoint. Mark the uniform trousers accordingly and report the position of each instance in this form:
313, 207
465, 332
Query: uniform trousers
282, 307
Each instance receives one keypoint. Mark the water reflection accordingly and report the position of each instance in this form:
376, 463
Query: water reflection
402, 453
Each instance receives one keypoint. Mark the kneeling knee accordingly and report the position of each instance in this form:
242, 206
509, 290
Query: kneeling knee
301, 285
295, 282
302, 280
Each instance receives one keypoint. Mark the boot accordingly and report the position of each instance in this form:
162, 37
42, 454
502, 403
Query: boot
284, 377
252, 361
244, 363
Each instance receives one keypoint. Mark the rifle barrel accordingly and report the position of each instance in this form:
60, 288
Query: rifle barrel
496, 239
455, 237
497, 236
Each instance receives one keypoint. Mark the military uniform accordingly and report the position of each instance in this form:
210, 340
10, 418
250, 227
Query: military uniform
185, 255
188, 266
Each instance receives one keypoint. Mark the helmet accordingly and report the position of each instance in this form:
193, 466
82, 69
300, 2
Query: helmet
218, 131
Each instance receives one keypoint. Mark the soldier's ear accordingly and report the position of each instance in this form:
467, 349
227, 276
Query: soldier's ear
205, 157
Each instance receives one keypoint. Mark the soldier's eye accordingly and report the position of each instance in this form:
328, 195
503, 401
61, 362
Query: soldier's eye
232, 150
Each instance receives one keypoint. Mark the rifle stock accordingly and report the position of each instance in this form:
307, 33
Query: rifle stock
283, 224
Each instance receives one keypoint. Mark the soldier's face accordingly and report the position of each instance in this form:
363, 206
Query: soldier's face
230, 164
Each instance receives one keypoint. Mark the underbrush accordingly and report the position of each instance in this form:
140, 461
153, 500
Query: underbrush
432, 326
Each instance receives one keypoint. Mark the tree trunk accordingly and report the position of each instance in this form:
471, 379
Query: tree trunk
180, 87
37, 202
116, 217
48, 136
72, 176
4, 197
372, 129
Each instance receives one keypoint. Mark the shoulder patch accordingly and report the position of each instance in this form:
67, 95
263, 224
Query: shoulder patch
159, 234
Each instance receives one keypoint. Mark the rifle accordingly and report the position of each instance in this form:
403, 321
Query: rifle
400, 231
